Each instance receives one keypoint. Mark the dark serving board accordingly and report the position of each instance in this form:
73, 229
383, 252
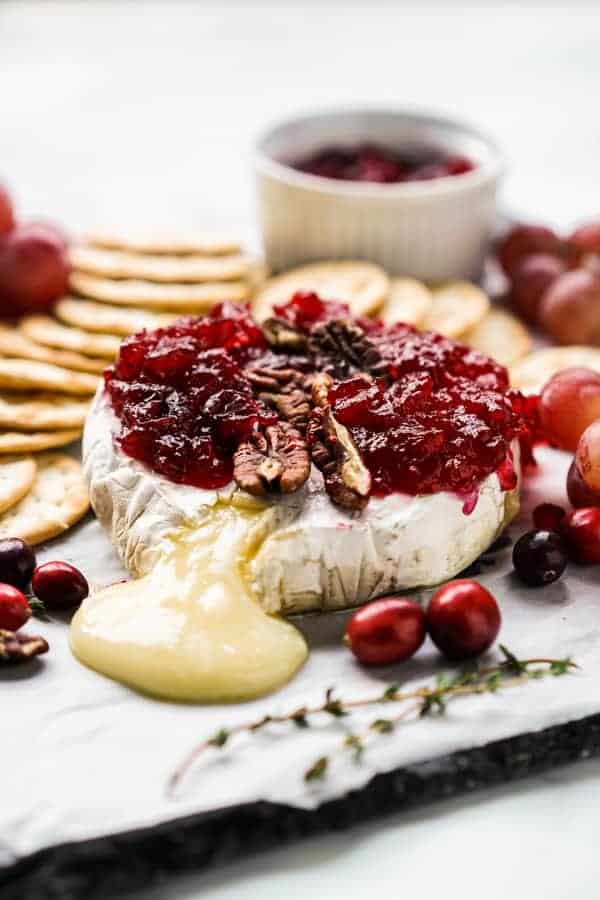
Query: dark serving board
110, 866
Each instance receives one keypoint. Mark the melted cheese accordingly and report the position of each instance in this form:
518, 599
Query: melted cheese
191, 629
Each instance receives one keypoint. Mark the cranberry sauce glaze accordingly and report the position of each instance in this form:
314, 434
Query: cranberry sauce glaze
429, 415
374, 163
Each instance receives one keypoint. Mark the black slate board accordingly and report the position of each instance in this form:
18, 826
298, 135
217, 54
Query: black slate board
109, 867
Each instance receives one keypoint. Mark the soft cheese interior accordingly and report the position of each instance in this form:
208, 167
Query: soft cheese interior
190, 630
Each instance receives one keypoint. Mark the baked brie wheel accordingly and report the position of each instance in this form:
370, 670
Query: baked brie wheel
324, 459
311, 549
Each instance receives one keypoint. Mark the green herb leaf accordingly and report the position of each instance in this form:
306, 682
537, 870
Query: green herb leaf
383, 726
391, 691
318, 770
219, 739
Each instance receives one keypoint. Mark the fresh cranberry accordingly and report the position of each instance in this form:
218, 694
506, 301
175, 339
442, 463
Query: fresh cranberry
386, 631
463, 619
540, 557
578, 491
582, 531
14, 608
59, 585
548, 517
17, 562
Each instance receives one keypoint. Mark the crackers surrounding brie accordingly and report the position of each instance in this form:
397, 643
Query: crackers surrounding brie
303, 553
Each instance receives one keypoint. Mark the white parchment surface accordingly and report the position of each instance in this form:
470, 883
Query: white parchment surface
88, 757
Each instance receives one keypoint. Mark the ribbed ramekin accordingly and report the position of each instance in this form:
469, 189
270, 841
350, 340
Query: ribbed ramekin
434, 230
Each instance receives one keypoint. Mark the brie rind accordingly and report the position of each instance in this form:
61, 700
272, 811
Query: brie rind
306, 554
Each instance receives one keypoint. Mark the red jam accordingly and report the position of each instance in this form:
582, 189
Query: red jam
436, 415
375, 163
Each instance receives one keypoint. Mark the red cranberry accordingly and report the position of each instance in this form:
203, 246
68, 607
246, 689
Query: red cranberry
14, 608
386, 631
582, 531
584, 240
17, 562
548, 517
59, 585
540, 557
463, 619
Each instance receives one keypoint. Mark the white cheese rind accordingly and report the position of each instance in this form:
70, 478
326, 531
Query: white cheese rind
310, 554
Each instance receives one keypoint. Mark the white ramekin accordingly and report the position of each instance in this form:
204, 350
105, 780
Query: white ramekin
434, 230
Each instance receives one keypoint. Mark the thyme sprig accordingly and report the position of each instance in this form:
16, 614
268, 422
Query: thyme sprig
509, 672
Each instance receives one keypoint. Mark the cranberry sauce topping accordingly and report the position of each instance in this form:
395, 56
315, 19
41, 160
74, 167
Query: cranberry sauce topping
428, 415
375, 163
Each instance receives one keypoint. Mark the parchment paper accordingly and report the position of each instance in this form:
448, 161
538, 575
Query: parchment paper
83, 756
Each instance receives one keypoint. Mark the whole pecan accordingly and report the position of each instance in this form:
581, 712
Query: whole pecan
344, 348
347, 479
274, 460
16, 647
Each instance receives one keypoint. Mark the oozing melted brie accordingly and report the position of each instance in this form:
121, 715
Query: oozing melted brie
190, 629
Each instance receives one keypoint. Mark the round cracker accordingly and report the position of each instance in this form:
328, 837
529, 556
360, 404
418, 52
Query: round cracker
15, 344
102, 317
34, 441
41, 412
457, 307
363, 286
58, 498
501, 336
118, 264
17, 475
170, 243
29, 375
408, 301
147, 295
51, 333
531, 373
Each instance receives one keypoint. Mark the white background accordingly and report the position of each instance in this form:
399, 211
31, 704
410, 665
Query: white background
131, 112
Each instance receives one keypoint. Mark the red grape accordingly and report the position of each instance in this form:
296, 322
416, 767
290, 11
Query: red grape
569, 402
14, 608
531, 278
582, 531
463, 619
524, 240
588, 456
570, 308
577, 490
33, 269
7, 217
386, 631
584, 240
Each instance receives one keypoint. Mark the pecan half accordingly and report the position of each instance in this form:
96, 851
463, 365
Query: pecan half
274, 460
286, 391
283, 336
347, 479
346, 346
16, 647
